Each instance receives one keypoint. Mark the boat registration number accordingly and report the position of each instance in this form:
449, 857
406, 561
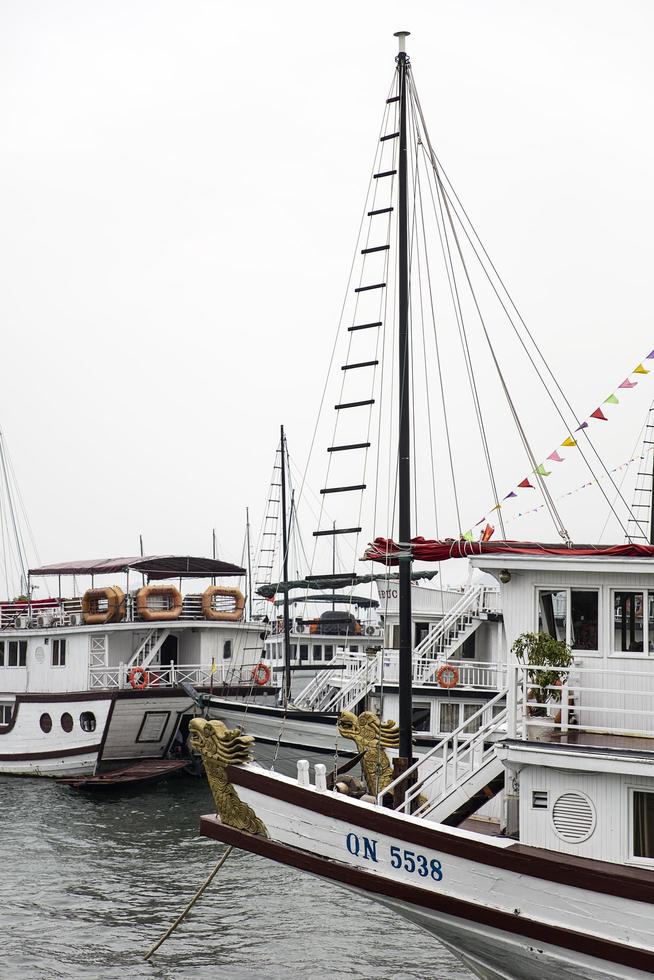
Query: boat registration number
399, 857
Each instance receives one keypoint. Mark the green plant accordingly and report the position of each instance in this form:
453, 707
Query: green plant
547, 660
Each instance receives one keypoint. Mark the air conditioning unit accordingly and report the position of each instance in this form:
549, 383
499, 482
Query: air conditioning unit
42, 622
20, 622
75, 619
370, 630
299, 626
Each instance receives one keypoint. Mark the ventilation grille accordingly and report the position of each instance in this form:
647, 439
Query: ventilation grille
539, 799
573, 816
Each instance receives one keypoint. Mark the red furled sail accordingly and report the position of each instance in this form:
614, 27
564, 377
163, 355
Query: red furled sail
386, 551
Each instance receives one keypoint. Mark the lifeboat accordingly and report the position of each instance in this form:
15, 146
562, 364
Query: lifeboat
226, 615
166, 592
115, 611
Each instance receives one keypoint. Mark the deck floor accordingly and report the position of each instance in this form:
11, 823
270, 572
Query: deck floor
601, 740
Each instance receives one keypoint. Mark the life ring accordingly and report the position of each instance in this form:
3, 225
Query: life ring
169, 592
261, 674
115, 611
447, 676
224, 615
138, 685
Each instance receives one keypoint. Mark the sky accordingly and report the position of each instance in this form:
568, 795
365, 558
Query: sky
180, 191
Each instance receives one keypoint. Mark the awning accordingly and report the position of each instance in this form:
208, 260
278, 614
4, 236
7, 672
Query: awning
154, 566
387, 552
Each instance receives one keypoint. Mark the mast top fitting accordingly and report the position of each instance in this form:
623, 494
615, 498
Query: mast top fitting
400, 35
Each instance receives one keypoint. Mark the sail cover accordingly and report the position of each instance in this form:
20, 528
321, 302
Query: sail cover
386, 551
339, 581
154, 566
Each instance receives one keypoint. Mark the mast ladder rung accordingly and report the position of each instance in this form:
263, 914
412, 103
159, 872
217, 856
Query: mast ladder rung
264, 566
371, 214
389, 136
640, 505
393, 98
337, 530
332, 576
352, 445
367, 401
360, 364
644, 474
384, 173
356, 486
268, 550
375, 248
365, 289
365, 326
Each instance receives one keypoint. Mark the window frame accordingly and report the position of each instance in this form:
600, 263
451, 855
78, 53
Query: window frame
569, 589
58, 650
424, 704
630, 654
631, 858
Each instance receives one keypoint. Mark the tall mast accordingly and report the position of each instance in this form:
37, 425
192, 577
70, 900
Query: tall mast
287, 625
404, 447
247, 541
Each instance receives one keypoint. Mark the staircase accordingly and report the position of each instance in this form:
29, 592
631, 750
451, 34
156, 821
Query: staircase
338, 689
463, 619
461, 772
149, 648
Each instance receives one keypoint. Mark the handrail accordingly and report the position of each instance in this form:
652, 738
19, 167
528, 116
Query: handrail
469, 599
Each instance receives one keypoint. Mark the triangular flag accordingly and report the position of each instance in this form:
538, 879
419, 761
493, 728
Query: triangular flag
651, 354
628, 384
488, 532
640, 370
540, 469
599, 414
526, 484
468, 536
569, 442
496, 507
584, 425
480, 522
555, 457
512, 494
611, 400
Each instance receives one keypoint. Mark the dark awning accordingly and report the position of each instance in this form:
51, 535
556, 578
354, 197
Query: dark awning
154, 566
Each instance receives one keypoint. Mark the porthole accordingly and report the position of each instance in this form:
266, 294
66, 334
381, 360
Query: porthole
45, 721
87, 721
573, 817
67, 722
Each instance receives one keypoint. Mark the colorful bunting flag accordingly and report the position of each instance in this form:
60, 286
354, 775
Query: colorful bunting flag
628, 384
541, 471
611, 400
584, 425
526, 484
599, 414
488, 532
468, 536
496, 507
555, 457
569, 442
512, 494
651, 354
640, 369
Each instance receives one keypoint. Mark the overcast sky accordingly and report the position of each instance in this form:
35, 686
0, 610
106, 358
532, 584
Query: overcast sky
180, 189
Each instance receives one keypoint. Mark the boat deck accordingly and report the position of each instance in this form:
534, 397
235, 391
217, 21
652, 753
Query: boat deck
599, 740
146, 770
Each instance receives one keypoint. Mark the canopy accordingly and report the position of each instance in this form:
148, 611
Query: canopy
385, 550
154, 566
337, 581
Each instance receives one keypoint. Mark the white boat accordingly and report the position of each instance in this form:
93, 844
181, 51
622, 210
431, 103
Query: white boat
98, 680
562, 885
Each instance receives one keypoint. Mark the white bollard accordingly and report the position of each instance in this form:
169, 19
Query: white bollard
303, 772
321, 777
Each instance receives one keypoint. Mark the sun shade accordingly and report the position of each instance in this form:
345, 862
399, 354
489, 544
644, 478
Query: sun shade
154, 566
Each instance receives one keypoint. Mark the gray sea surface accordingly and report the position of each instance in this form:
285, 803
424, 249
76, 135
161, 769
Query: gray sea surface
89, 881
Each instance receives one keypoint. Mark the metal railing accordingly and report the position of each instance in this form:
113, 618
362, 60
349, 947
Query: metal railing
461, 620
200, 675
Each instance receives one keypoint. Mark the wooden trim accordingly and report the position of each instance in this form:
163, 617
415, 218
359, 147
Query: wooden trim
105, 733
594, 876
54, 754
152, 741
516, 925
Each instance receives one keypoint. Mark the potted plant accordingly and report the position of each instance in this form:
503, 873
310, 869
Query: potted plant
548, 661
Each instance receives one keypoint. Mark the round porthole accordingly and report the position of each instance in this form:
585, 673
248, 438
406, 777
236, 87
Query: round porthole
573, 817
67, 722
45, 721
87, 721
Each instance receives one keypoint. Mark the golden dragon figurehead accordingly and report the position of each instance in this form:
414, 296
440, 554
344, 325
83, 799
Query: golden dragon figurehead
371, 737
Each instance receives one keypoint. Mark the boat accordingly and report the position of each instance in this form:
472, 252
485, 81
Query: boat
562, 885
98, 680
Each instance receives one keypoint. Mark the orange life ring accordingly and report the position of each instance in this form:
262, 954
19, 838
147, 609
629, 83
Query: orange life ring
261, 674
224, 615
115, 611
447, 676
164, 591
143, 682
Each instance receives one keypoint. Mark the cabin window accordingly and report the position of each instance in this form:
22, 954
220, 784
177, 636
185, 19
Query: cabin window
227, 650
329, 652
58, 653
13, 653
468, 711
6, 711
449, 716
421, 719
317, 652
422, 629
45, 721
67, 721
304, 651
87, 721
293, 651
468, 648
354, 649
571, 615
643, 825
633, 631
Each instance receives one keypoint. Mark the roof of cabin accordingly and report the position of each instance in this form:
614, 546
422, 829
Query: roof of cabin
154, 566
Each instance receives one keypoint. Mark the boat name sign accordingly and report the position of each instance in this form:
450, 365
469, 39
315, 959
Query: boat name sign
412, 862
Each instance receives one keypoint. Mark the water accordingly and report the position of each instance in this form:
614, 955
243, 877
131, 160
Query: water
88, 882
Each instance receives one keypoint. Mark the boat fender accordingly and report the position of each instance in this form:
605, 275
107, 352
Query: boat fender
261, 674
447, 676
138, 678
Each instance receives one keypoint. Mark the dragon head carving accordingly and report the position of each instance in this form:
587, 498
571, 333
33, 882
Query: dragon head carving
371, 737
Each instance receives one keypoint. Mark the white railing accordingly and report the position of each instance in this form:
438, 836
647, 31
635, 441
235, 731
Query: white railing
200, 675
459, 622
471, 673
321, 689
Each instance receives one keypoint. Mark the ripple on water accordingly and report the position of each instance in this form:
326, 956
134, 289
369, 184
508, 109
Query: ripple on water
89, 882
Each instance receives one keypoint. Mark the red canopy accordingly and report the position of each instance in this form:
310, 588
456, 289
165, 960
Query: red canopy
385, 550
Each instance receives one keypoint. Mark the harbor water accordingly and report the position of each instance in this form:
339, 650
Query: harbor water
90, 881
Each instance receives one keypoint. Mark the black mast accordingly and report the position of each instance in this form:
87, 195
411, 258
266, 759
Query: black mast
404, 447
287, 625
